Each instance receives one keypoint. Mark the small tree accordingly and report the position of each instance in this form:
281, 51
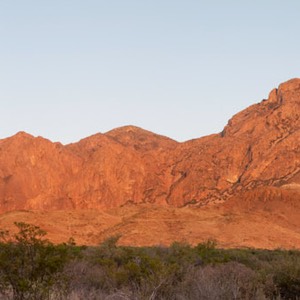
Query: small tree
30, 265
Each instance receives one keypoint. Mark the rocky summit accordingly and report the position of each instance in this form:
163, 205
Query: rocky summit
250, 169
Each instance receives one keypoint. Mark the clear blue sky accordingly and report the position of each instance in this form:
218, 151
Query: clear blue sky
69, 69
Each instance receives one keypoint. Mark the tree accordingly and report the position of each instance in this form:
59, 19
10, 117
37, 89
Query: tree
30, 265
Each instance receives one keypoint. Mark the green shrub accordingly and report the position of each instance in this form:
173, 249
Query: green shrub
29, 264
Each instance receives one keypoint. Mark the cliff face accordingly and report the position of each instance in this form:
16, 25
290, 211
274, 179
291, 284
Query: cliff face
259, 147
257, 150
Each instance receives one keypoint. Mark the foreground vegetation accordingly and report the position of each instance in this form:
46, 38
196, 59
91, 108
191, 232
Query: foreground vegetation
33, 268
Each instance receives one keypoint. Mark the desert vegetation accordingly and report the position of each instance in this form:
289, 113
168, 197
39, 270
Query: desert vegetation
31, 267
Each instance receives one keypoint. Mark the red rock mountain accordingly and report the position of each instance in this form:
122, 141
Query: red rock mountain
256, 156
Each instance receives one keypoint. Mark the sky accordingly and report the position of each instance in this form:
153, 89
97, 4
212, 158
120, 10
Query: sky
70, 68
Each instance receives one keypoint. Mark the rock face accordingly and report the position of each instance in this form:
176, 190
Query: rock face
259, 149
240, 187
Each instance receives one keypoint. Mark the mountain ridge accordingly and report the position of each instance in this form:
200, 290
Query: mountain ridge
256, 156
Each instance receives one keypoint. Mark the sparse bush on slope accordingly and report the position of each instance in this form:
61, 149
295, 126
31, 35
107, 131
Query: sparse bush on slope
33, 268
30, 265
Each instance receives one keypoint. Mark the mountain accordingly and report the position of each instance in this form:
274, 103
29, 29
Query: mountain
250, 169
258, 147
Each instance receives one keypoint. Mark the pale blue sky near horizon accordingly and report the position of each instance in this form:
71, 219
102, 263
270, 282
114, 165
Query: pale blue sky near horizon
69, 69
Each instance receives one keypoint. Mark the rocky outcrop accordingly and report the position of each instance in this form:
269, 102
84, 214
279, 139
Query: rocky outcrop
259, 147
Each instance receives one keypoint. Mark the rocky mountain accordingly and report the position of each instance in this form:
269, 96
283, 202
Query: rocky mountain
258, 147
256, 156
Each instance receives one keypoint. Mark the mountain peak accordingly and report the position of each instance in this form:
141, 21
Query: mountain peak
23, 134
129, 128
278, 113
139, 138
292, 84
277, 95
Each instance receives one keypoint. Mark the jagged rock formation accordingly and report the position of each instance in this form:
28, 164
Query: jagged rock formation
258, 148
240, 187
